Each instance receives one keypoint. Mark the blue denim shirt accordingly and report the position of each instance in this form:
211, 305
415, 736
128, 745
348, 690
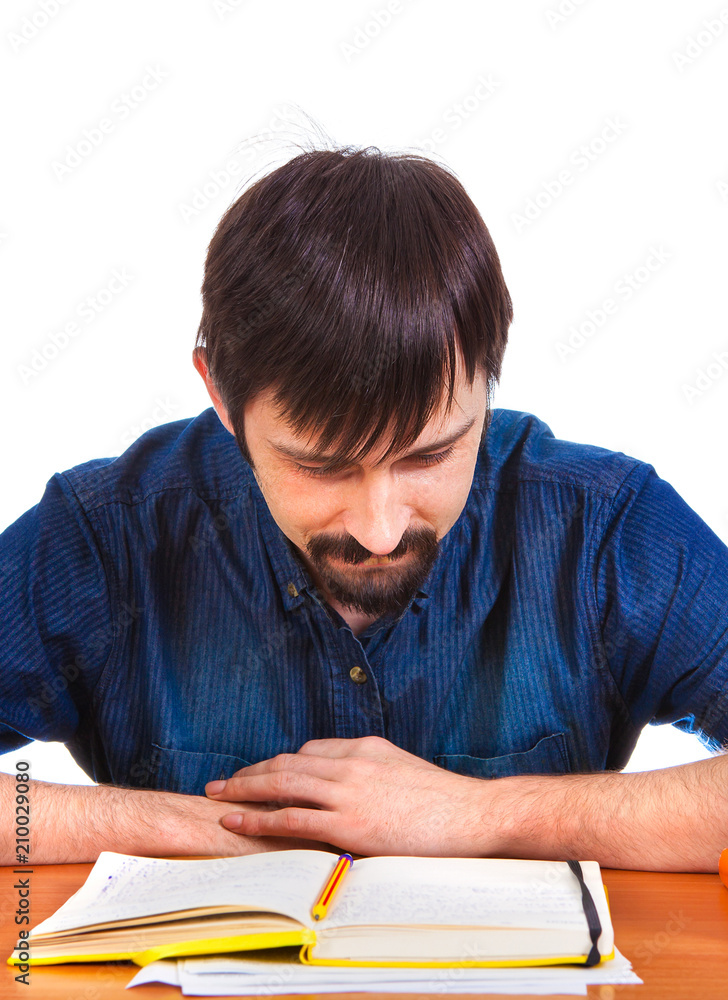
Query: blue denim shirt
156, 620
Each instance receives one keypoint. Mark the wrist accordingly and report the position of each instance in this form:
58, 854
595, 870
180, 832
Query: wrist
531, 816
144, 822
118, 819
500, 819
489, 828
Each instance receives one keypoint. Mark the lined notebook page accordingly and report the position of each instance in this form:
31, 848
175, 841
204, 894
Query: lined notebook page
120, 886
461, 891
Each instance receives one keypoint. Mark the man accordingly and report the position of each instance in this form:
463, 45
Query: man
352, 606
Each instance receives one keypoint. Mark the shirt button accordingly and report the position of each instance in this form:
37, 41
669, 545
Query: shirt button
357, 675
292, 590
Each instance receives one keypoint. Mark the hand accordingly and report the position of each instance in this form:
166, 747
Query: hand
366, 795
195, 824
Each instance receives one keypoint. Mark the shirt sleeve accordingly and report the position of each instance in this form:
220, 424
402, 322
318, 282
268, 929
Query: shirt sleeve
55, 620
662, 603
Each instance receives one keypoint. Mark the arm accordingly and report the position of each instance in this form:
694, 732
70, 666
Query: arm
672, 819
70, 823
374, 798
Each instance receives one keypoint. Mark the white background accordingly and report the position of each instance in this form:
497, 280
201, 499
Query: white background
505, 93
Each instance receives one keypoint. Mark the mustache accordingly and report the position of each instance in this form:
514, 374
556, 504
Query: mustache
350, 551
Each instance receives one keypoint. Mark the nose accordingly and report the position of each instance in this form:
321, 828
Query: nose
376, 513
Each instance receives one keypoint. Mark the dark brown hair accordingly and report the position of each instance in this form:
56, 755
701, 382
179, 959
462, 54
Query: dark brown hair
344, 281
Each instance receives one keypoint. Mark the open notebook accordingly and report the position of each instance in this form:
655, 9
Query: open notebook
387, 911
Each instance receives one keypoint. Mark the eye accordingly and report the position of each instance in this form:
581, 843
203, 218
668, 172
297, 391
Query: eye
439, 456
422, 460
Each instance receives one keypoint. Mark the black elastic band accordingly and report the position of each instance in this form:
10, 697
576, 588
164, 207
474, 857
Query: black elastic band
592, 917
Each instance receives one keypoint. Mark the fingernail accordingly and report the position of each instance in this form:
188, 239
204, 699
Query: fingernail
213, 787
232, 821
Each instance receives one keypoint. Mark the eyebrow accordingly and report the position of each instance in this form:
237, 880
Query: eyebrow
301, 455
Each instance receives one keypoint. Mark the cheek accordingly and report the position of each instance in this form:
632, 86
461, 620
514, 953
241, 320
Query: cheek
446, 493
439, 496
298, 505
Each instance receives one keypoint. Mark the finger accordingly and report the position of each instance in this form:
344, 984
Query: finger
309, 824
361, 746
286, 787
328, 748
322, 767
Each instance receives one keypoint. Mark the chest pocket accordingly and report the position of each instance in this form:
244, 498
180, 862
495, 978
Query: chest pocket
183, 770
549, 756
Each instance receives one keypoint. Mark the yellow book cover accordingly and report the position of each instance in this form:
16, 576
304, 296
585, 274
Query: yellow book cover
383, 911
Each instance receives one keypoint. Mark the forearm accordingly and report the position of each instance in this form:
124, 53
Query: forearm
74, 823
674, 819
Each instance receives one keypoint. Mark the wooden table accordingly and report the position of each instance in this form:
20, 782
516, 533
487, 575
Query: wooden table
672, 927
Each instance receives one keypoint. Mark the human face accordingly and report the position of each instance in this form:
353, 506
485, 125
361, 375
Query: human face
399, 509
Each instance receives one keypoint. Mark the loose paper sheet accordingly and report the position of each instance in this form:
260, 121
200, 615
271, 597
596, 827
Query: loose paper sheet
274, 974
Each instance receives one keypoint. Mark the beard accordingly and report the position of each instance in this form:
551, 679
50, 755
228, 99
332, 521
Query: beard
375, 590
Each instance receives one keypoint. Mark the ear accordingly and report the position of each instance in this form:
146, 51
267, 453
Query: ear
199, 360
